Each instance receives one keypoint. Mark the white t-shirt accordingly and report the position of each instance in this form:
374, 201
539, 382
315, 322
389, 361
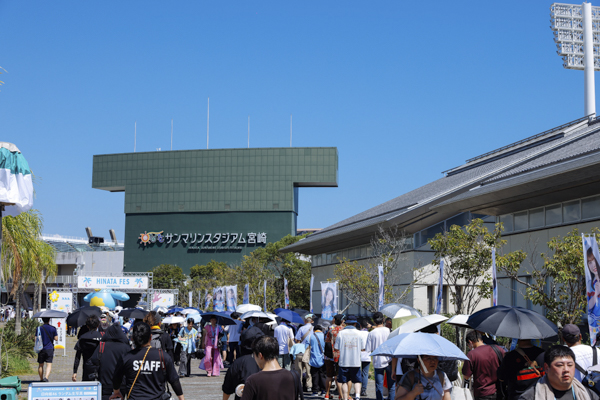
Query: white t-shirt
375, 338
584, 357
365, 356
350, 342
282, 334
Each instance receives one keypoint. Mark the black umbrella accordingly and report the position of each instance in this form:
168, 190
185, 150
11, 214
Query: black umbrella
512, 322
300, 312
222, 318
135, 313
79, 316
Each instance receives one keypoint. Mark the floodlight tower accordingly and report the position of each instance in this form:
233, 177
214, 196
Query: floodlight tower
577, 37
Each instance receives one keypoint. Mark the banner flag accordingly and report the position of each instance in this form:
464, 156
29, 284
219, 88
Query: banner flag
381, 286
246, 299
590, 260
312, 281
329, 300
190, 304
218, 301
207, 299
199, 299
231, 297
494, 280
438, 305
265, 295
287, 294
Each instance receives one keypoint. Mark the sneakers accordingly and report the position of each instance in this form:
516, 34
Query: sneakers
45, 380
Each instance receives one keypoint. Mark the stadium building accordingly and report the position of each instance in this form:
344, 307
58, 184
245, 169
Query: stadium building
540, 187
190, 207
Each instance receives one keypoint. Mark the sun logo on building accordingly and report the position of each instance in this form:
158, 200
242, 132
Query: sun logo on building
54, 296
151, 237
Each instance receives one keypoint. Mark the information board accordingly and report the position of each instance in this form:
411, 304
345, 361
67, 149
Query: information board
62, 301
113, 282
64, 391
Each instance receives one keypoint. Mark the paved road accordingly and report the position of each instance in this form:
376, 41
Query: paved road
196, 387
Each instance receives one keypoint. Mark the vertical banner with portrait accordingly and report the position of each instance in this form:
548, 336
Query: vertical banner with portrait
286, 299
312, 281
329, 299
381, 286
219, 298
207, 299
590, 260
265, 294
231, 297
246, 299
190, 298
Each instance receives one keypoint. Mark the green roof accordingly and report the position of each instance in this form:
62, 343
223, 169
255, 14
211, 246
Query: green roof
261, 179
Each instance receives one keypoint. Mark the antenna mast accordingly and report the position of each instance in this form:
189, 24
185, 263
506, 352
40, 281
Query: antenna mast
207, 121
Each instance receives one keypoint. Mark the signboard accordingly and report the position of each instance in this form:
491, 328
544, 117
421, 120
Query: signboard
113, 282
62, 301
203, 241
64, 390
163, 299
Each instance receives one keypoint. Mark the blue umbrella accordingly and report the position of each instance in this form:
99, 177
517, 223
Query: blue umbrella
175, 310
411, 345
289, 315
222, 318
196, 317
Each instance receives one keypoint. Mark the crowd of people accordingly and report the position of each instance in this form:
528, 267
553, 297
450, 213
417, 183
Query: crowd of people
146, 359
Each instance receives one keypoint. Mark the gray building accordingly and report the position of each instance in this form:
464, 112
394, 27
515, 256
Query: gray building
540, 187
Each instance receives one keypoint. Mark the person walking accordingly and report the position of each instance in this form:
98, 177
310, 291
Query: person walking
584, 354
316, 362
233, 338
559, 383
160, 339
519, 369
303, 337
244, 365
187, 337
350, 343
381, 364
145, 369
365, 357
272, 382
332, 355
284, 336
210, 343
46, 355
484, 361
85, 348
108, 355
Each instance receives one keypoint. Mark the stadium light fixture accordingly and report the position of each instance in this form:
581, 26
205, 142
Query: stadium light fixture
577, 37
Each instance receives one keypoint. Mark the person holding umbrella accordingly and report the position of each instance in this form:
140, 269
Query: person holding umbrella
187, 338
425, 382
210, 342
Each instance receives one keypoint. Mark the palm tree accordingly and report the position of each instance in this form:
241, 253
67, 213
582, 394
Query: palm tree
25, 258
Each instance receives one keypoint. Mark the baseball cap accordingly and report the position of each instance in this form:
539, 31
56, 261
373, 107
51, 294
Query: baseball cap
571, 331
351, 319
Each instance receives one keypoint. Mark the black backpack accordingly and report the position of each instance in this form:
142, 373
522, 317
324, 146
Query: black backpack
591, 380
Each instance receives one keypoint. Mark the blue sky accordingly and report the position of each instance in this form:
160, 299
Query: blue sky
404, 90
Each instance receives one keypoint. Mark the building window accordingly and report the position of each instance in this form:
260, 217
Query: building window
536, 218
553, 215
571, 211
507, 222
590, 207
521, 221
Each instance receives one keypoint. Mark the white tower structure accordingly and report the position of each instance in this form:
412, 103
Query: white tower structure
577, 36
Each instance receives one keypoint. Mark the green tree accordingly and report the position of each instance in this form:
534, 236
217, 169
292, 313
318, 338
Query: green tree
359, 281
25, 258
558, 284
467, 255
167, 276
207, 277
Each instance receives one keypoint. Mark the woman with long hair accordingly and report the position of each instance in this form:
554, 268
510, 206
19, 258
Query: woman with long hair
329, 307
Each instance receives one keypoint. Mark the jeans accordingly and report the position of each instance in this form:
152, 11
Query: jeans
379, 382
365, 377
285, 361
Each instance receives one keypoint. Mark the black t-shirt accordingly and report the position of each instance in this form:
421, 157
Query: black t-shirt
514, 365
270, 385
150, 382
238, 373
563, 394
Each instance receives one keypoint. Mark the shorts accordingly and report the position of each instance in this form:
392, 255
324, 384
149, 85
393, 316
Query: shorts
352, 374
331, 368
46, 355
